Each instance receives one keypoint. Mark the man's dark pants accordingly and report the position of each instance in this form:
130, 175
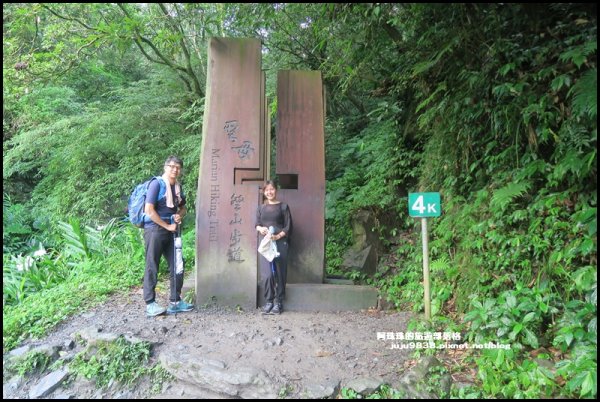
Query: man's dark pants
160, 242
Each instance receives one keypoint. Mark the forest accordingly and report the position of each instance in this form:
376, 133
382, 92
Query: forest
494, 106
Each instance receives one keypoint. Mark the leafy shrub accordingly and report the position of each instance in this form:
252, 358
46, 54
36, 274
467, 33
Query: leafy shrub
33, 361
23, 275
120, 360
114, 260
16, 225
514, 317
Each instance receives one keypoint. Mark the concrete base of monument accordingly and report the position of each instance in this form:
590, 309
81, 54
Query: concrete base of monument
334, 295
329, 297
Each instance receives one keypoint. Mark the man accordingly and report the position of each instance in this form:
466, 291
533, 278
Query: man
165, 203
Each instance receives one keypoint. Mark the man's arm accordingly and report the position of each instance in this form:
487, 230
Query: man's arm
181, 212
151, 212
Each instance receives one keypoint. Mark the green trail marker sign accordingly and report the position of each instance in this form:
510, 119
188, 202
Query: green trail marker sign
425, 205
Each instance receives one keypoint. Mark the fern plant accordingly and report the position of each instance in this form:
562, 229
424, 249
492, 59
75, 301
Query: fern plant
585, 95
505, 195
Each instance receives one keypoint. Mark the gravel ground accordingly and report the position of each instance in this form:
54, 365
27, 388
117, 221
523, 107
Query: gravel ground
295, 349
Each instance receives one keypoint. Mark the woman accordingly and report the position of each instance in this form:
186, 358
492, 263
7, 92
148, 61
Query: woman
274, 214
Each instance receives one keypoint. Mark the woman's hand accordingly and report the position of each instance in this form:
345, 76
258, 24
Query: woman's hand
262, 230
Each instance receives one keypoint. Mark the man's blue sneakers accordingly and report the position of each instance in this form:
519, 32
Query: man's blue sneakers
179, 307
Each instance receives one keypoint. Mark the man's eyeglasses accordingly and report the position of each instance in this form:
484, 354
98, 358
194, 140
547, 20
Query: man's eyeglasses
174, 167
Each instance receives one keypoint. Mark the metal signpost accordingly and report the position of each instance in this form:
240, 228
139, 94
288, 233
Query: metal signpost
424, 205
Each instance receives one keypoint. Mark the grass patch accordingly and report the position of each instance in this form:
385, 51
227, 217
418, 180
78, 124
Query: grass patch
89, 285
159, 376
120, 361
33, 361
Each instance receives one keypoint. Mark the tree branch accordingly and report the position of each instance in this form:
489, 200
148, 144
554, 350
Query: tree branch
186, 53
161, 58
146, 55
83, 24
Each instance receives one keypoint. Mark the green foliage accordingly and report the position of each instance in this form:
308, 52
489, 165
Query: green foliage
190, 296
468, 392
16, 225
189, 248
503, 377
120, 361
577, 332
333, 257
585, 95
404, 288
387, 392
338, 232
25, 275
284, 391
514, 317
159, 376
51, 286
376, 168
348, 393
33, 361
48, 104
79, 242
506, 133
87, 164
383, 392
581, 370
505, 195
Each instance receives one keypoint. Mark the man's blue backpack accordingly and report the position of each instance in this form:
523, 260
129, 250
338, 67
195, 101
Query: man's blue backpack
137, 201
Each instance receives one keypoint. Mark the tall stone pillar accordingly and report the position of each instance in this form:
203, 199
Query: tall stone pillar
232, 164
301, 170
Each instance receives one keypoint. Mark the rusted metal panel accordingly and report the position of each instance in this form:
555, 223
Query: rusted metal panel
301, 163
232, 139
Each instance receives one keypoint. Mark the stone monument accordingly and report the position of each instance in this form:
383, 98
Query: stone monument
234, 162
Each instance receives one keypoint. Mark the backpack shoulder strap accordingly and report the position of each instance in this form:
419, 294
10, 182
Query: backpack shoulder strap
162, 187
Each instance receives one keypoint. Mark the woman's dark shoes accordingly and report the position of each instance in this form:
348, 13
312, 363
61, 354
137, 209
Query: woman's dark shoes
277, 309
267, 308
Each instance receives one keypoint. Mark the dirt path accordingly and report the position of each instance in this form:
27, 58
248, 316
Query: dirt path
295, 349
